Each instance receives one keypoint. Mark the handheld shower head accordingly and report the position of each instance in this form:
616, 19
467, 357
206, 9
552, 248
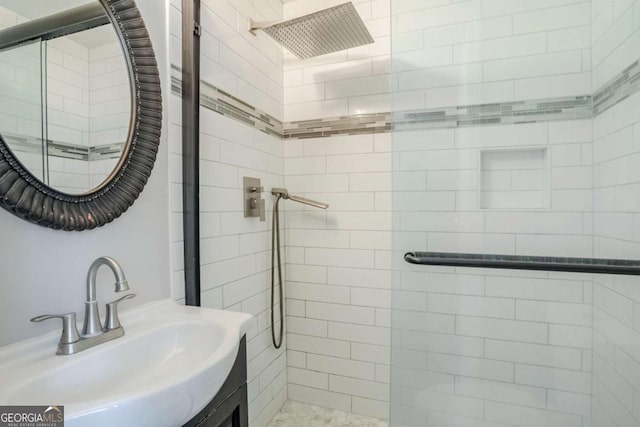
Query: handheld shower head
284, 193
309, 202
281, 193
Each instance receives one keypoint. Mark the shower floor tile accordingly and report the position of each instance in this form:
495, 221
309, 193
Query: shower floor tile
296, 414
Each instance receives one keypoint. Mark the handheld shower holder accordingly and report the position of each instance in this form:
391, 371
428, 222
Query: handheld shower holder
282, 192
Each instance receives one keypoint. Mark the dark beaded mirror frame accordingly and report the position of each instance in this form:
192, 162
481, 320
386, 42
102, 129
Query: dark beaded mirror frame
26, 196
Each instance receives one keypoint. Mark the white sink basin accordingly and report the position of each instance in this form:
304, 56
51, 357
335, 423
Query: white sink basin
171, 362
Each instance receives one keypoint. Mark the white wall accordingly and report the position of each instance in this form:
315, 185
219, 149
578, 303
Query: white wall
44, 271
87, 103
497, 346
338, 261
484, 51
494, 347
235, 251
338, 276
616, 363
445, 54
21, 84
68, 107
353, 81
614, 34
67, 74
474, 346
20, 92
109, 104
109, 95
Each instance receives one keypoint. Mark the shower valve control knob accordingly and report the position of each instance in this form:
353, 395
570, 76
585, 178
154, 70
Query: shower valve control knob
254, 206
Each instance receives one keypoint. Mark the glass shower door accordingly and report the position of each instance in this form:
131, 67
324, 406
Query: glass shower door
515, 134
21, 105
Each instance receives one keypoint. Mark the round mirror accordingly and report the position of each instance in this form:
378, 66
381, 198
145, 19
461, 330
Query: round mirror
68, 97
80, 110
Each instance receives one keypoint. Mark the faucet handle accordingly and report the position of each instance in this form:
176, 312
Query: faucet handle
69, 327
112, 321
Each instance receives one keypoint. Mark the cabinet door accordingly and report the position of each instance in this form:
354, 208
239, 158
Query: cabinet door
231, 413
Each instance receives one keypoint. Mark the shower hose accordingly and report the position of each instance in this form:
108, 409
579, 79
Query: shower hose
275, 247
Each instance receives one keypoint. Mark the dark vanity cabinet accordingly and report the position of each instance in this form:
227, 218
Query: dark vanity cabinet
229, 407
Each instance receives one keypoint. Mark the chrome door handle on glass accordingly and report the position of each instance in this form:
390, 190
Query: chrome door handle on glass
93, 333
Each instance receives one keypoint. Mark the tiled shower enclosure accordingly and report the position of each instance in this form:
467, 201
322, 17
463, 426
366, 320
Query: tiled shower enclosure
480, 126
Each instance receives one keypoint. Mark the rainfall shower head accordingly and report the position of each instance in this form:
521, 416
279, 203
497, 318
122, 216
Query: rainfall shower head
326, 31
284, 193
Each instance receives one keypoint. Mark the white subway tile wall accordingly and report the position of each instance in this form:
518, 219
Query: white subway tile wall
68, 108
99, 116
505, 348
338, 284
446, 316
437, 184
20, 94
472, 347
354, 81
445, 54
109, 102
338, 269
558, 325
492, 338
235, 251
616, 332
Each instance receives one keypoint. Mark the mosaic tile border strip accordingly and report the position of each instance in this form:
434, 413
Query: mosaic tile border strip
618, 89
539, 110
348, 125
570, 108
530, 111
228, 105
63, 150
105, 151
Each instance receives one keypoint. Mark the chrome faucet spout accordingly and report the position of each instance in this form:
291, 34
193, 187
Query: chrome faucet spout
121, 281
92, 325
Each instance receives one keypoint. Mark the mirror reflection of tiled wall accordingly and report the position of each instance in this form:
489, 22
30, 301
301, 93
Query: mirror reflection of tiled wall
87, 100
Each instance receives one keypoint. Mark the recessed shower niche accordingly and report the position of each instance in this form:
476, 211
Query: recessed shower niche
514, 179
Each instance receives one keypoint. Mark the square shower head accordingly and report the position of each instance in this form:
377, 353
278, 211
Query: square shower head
329, 30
